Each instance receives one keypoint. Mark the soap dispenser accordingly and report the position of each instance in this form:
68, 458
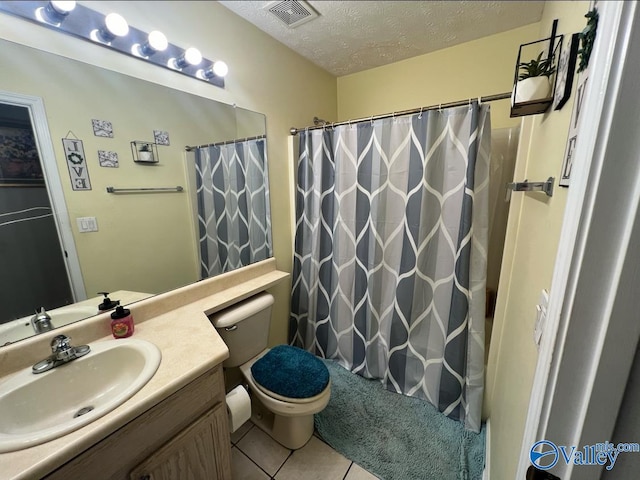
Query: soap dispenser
107, 303
122, 322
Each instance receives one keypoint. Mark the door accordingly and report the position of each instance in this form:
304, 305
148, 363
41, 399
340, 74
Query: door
39, 265
33, 273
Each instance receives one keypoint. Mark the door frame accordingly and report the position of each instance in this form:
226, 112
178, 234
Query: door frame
589, 341
38, 115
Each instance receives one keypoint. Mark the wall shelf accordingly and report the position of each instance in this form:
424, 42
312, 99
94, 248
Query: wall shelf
553, 47
144, 152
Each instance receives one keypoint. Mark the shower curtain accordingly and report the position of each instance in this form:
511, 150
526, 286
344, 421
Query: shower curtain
233, 205
390, 253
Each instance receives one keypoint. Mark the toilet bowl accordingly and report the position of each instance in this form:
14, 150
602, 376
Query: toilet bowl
287, 385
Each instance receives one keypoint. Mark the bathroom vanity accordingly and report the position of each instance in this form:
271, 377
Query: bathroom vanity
176, 425
184, 436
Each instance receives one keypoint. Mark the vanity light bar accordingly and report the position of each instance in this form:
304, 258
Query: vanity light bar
82, 22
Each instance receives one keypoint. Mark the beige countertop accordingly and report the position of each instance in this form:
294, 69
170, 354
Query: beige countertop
176, 322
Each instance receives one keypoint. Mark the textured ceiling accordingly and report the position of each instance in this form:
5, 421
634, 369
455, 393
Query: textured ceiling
350, 36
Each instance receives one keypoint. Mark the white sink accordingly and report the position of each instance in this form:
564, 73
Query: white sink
22, 328
36, 408
71, 313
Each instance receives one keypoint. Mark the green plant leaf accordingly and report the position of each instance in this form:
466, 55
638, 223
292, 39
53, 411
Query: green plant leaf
536, 68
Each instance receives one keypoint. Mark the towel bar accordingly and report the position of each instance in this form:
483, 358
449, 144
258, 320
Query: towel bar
145, 189
527, 186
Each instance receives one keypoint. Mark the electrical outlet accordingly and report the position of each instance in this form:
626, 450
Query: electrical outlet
87, 224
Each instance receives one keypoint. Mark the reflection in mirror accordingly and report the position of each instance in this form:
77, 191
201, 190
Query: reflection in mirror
232, 204
30, 252
140, 243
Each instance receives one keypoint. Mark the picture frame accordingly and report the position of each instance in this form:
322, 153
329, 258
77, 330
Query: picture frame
19, 158
161, 137
566, 71
102, 128
582, 85
76, 163
108, 159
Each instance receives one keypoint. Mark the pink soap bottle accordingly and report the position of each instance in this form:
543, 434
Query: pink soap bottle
121, 323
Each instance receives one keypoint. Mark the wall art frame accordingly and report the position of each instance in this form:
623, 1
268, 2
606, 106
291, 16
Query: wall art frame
19, 159
76, 163
566, 72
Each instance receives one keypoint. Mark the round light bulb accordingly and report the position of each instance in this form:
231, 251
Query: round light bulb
158, 41
116, 24
220, 68
192, 56
63, 7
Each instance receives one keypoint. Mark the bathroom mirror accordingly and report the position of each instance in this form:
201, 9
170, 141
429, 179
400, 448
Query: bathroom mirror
145, 242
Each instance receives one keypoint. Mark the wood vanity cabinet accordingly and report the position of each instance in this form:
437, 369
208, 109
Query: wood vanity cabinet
186, 436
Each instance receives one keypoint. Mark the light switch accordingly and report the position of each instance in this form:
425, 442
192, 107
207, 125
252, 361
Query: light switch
537, 329
541, 316
543, 301
87, 224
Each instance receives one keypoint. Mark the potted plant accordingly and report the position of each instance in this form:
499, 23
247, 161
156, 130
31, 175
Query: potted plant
145, 153
533, 79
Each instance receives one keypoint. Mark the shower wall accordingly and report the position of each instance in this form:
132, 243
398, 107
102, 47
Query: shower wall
504, 147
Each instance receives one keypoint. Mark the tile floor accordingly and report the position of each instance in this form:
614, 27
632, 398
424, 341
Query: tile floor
256, 456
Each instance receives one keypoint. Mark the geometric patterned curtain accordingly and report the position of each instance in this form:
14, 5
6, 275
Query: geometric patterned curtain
234, 220
390, 253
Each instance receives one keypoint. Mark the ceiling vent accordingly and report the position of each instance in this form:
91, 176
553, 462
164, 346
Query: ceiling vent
292, 13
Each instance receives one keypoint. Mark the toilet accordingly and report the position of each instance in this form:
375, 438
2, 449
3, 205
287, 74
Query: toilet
288, 385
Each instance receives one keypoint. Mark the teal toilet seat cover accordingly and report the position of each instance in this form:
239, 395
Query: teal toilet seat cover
291, 372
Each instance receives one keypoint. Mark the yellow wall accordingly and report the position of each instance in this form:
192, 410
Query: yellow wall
533, 232
473, 69
264, 76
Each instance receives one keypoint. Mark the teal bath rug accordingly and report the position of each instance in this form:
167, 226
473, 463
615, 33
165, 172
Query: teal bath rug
396, 437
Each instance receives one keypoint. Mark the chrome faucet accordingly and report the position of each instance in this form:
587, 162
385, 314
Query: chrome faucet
41, 321
62, 352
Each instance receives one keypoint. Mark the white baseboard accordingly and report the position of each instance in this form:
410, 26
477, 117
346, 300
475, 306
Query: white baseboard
487, 451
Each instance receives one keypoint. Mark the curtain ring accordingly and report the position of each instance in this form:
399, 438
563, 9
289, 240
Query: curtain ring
440, 108
420, 116
372, 120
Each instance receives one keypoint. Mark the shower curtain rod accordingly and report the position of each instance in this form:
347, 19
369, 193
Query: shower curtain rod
460, 103
188, 148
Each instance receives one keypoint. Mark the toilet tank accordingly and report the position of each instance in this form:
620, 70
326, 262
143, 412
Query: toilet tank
244, 328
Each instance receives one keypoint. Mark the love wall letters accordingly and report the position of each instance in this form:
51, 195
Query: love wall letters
77, 164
